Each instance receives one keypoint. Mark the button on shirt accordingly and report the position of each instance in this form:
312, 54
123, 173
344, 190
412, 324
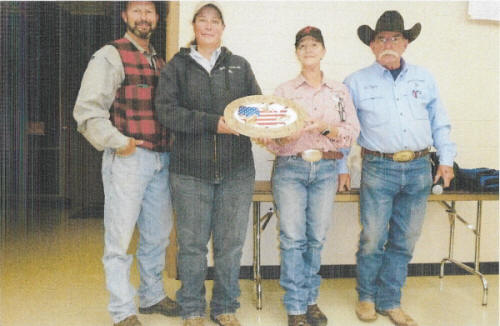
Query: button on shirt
102, 78
402, 114
321, 104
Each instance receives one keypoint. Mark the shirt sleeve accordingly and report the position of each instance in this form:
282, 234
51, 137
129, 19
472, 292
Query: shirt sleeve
342, 163
101, 80
441, 128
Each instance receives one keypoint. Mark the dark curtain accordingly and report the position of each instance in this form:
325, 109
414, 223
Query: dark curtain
44, 49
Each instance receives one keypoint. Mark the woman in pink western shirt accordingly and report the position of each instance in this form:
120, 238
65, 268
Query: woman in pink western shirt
309, 169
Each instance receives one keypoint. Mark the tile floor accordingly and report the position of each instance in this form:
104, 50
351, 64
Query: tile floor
52, 275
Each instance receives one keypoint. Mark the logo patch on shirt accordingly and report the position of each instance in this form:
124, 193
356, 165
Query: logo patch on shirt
416, 93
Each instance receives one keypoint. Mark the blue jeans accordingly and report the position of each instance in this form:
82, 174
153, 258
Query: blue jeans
136, 192
220, 210
304, 194
393, 203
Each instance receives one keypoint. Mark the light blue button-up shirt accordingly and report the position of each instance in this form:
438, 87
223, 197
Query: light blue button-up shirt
402, 114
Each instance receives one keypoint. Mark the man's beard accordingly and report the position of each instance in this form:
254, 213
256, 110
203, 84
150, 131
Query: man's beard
135, 30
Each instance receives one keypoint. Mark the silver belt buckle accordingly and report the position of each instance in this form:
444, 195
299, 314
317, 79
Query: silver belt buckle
312, 155
403, 156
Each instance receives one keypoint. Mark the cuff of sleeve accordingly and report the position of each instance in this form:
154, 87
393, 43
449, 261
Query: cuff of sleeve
447, 161
212, 123
119, 141
342, 166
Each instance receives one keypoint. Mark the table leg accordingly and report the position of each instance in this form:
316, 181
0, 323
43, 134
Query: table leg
256, 253
477, 241
451, 217
477, 232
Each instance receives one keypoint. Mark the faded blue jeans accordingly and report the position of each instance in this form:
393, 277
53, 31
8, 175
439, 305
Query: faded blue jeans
220, 210
304, 194
392, 203
136, 192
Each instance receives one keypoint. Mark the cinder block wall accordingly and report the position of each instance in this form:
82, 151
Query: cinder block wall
463, 55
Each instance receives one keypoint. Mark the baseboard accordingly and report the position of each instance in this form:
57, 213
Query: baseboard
349, 271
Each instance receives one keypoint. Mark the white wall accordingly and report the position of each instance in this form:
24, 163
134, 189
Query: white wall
463, 55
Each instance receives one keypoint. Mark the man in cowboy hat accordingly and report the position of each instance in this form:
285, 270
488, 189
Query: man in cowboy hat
401, 117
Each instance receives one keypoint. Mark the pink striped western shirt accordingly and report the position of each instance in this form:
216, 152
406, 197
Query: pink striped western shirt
321, 104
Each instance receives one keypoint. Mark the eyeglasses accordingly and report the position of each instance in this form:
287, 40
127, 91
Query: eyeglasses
392, 39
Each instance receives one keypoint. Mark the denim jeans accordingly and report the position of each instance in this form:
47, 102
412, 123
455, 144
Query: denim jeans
393, 203
136, 192
304, 194
220, 210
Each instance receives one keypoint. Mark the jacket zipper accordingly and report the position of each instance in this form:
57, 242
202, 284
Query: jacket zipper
217, 174
216, 165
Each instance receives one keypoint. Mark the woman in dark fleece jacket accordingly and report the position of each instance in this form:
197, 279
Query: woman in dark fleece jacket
211, 170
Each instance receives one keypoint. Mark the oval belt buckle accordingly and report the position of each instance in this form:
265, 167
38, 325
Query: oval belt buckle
312, 155
403, 156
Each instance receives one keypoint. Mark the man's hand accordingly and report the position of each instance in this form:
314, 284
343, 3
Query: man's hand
344, 183
445, 172
129, 149
223, 128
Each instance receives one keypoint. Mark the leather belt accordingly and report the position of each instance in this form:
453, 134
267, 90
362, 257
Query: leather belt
314, 155
402, 156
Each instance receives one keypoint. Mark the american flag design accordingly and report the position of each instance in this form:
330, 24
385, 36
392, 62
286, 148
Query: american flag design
273, 115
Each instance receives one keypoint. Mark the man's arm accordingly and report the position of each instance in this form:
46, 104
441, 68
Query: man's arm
102, 78
441, 127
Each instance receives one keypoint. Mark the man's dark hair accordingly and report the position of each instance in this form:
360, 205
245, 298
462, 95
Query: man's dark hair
124, 5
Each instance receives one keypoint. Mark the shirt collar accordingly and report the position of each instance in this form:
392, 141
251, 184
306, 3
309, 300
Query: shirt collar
197, 54
141, 49
300, 80
381, 69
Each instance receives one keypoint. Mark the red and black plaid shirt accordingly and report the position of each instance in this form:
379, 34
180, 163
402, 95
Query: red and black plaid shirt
133, 112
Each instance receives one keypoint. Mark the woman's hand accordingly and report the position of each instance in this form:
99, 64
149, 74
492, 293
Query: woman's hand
285, 140
344, 183
318, 126
223, 128
262, 141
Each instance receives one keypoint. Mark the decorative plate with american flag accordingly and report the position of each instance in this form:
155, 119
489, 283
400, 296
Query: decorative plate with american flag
264, 116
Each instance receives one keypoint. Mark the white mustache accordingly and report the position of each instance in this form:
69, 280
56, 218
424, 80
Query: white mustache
388, 52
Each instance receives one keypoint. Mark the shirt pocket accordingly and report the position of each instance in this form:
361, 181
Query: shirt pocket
372, 109
418, 101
